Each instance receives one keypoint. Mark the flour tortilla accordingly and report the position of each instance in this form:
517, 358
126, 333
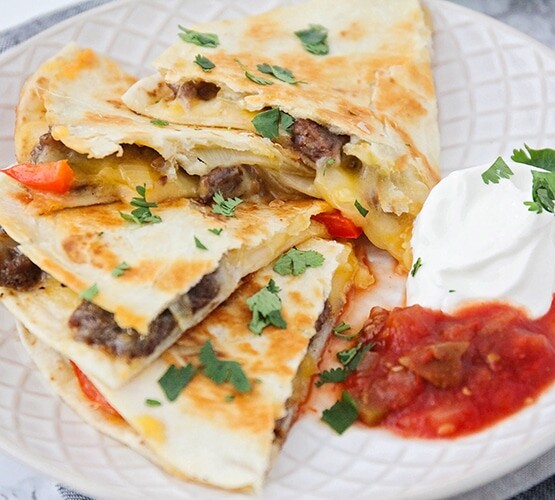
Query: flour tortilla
202, 436
80, 247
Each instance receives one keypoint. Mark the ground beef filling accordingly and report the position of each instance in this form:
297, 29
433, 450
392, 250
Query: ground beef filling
95, 326
241, 181
314, 141
203, 292
205, 91
16, 270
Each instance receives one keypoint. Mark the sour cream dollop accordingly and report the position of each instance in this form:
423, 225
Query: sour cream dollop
479, 242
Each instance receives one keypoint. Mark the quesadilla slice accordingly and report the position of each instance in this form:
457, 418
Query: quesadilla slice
71, 109
243, 390
344, 88
132, 287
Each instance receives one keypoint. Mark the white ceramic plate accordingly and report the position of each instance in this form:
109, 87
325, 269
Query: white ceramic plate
496, 90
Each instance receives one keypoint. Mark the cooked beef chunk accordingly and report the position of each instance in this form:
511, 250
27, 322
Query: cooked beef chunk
204, 291
314, 141
241, 181
324, 317
47, 150
16, 270
205, 91
93, 325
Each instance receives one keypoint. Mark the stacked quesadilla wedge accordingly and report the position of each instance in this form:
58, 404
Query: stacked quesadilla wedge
71, 109
345, 89
132, 288
221, 429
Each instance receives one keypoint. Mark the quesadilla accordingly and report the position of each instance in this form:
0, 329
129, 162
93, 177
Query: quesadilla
71, 109
222, 431
344, 88
132, 288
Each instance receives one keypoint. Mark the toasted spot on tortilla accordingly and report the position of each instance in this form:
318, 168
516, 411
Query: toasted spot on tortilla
85, 59
181, 272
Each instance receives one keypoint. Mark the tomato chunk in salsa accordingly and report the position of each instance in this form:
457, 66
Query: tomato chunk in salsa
435, 375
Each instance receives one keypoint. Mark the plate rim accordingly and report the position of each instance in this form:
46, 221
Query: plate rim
494, 471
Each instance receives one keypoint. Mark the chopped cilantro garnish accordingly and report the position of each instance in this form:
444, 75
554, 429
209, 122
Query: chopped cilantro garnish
416, 267
199, 244
314, 39
256, 79
176, 379
197, 38
217, 231
225, 206
142, 214
221, 371
266, 309
296, 262
543, 192
361, 210
160, 123
283, 74
90, 293
543, 183
267, 123
153, 402
350, 359
541, 158
205, 63
120, 269
497, 171
452, 290
342, 414
229, 398
342, 327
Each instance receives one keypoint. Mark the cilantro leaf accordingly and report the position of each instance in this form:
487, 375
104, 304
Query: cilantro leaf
176, 379
217, 231
416, 267
342, 414
314, 39
543, 192
541, 158
350, 359
142, 214
296, 262
285, 121
221, 371
342, 327
498, 170
267, 123
256, 79
90, 293
332, 376
266, 309
205, 63
160, 123
152, 402
198, 38
225, 206
199, 244
120, 269
283, 74
361, 210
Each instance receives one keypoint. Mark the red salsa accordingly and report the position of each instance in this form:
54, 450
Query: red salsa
435, 375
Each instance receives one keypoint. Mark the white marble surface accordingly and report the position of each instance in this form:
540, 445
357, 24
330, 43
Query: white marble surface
535, 17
